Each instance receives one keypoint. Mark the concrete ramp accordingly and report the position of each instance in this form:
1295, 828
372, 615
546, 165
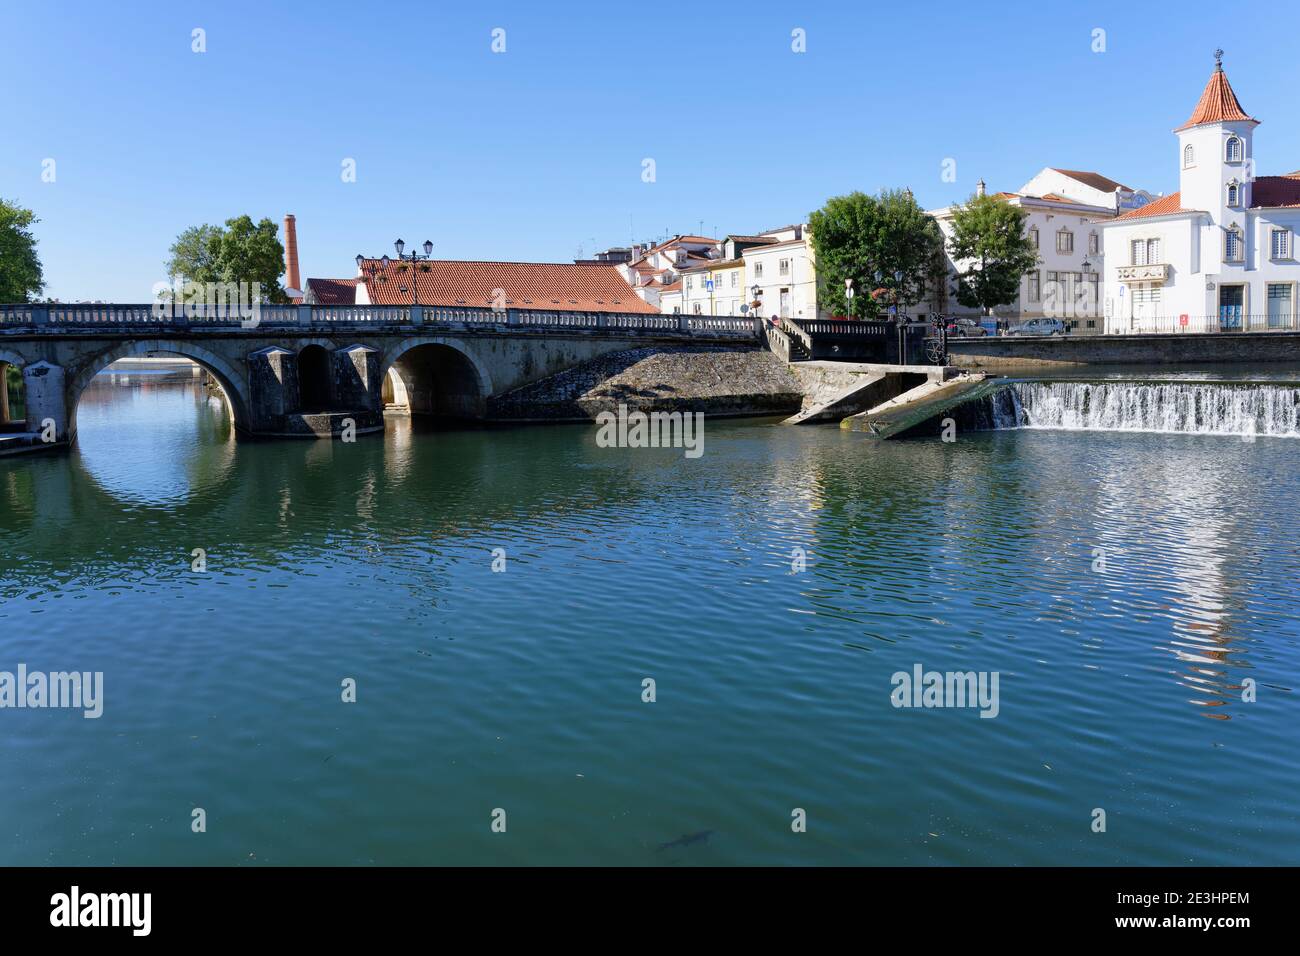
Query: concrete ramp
863, 391
918, 409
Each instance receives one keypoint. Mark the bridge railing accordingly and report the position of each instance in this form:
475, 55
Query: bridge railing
57, 317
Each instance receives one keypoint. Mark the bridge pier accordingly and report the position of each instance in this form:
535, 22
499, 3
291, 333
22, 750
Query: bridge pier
357, 379
273, 389
47, 401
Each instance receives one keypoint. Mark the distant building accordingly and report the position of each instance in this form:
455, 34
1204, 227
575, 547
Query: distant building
1065, 209
652, 268
556, 286
1219, 254
784, 273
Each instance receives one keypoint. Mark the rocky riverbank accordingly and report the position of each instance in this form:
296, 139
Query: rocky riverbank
714, 380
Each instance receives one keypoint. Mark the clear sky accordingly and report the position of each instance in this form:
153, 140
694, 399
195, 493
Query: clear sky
531, 153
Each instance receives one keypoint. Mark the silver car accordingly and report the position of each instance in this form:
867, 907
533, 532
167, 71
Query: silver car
1039, 327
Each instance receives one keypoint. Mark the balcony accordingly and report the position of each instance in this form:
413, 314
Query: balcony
1148, 273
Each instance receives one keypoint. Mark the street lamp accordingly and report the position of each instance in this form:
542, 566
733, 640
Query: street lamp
755, 291
385, 262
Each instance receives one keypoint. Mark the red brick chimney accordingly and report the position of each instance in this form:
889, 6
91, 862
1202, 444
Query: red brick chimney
292, 279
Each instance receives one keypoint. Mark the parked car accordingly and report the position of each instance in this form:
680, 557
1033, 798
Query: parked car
1039, 327
964, 328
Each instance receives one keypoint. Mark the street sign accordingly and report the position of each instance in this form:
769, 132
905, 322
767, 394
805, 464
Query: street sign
1182, 319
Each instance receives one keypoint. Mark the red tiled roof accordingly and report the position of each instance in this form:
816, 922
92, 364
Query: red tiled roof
1095, 180
333, 291
1158, 207
571, 287
1218, 103
675, 287
1273, 191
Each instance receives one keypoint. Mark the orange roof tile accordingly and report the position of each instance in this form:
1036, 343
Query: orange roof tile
1218, 103
576, 287
1158, 207
333, 291
1275, 191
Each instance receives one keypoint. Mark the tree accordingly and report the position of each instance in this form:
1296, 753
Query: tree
193, 255
992, 250
871, 240
242, 251
21, 277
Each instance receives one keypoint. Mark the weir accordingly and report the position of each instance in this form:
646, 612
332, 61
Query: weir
1264, 409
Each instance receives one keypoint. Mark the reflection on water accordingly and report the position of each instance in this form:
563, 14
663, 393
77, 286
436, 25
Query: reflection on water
521, 689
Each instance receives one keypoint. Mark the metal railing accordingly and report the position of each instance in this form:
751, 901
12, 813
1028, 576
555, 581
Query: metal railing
105, 317
1201, 324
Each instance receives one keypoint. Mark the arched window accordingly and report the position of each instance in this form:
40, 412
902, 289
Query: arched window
1232, 245
1234, 149
1189, 156
1234, 194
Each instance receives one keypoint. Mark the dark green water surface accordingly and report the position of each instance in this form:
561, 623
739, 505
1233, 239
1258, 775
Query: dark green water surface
1120, 689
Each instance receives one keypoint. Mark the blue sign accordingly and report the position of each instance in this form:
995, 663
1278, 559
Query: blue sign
708, 284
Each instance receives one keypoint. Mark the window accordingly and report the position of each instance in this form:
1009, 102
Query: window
1065, 241
690, 282
1279, 305
1280, 244
1145, 252
1094, 244
1232, 245
1033, 236
758, 270
733, 278
1234, 149
696, 307
783, 267
1035, 289
1189, 156
1234, 194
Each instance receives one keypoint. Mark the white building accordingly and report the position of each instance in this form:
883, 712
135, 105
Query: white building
784, 272
1219, 254
715, 288
1064, 212
653, 268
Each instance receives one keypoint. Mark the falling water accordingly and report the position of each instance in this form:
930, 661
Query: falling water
1196, 408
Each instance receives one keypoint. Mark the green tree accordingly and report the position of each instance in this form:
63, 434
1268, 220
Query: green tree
194, 255
21, 277
885, 241
241, 251
992, 250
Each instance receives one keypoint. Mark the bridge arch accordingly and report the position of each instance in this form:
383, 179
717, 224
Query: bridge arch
438, 376
233, 382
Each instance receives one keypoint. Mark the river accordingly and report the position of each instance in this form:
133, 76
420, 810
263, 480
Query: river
501, 597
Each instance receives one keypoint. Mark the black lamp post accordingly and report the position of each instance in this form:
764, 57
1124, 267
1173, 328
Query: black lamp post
413, 258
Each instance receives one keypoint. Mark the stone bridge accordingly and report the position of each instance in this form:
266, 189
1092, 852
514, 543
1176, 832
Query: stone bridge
303, 369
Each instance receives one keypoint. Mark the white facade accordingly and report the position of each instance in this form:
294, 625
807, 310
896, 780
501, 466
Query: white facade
1218, 255
1064, 210
786, 276
715, 289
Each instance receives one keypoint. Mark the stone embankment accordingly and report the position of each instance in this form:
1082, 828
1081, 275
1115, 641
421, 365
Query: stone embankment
716, 380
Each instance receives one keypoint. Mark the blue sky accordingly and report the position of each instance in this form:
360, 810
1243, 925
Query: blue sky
531, 153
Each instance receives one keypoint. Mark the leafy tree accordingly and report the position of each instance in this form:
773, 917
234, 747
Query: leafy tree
194, 256
21, 277
242, 251
871, 239
992, 250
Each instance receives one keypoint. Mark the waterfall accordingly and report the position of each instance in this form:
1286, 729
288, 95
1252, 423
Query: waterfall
1194, 408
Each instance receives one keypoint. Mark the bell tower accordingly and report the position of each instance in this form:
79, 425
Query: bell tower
1216, 152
